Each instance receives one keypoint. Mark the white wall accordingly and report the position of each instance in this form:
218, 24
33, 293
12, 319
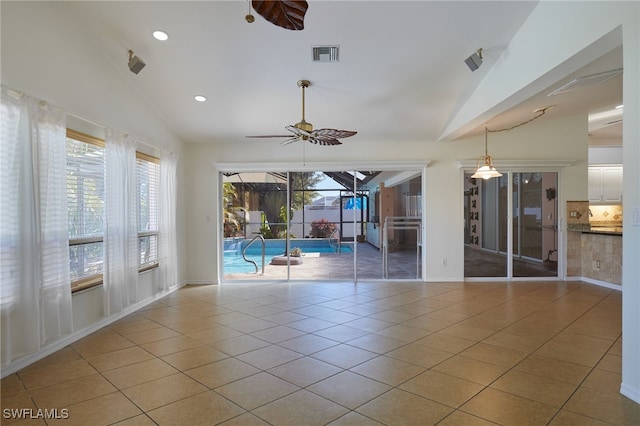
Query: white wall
605, 155
544, 140
631, 209
48, 56
202, 215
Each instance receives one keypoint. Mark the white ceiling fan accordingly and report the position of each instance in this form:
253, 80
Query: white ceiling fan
303, 131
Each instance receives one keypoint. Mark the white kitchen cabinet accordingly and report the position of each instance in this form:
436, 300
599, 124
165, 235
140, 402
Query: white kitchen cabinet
605, 184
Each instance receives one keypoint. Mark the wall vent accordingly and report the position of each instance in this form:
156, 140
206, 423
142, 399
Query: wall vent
325, 53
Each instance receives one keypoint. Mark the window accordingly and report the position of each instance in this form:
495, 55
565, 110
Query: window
85, 198
148, 170
86, 208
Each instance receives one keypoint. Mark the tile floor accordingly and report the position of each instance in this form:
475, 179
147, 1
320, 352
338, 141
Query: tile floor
343, 354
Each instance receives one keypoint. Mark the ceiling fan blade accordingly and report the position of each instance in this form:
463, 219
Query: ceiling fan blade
299, 132
295, 130
334, 133
267, 136
325, 141
288, 141
287, 14
292, 129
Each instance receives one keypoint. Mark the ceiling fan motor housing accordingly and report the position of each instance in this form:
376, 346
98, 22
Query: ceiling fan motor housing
303, 125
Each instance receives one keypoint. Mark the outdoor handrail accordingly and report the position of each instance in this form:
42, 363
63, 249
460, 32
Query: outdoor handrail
261, 238
338, 243
400, 222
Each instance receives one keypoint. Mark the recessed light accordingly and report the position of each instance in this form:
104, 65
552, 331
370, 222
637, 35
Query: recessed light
200, 98
160, 35
620, 107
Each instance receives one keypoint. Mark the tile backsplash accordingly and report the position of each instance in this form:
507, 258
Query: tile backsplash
606, 215
577, 212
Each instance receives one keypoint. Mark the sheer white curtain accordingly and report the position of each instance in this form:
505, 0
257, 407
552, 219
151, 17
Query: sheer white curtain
168, 253
35, 290
121, 229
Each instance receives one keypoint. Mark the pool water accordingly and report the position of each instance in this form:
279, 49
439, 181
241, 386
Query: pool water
235, 264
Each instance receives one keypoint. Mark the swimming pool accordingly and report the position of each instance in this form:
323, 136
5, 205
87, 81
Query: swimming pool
234, 263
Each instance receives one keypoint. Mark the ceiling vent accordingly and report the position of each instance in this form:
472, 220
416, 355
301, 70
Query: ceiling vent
587, 81
325, 53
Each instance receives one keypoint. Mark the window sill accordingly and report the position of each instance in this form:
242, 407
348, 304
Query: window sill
86, 283
97, 280
148, 267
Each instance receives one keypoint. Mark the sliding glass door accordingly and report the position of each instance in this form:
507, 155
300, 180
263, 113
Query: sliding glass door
254, 216
521, 244
321, 225
485, 227
395, 226
535, 230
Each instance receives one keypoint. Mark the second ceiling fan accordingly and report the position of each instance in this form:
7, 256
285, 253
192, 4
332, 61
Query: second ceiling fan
303, 131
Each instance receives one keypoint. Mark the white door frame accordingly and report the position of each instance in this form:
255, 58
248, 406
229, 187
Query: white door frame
312, 167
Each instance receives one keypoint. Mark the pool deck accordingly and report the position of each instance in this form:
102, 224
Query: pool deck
333, 266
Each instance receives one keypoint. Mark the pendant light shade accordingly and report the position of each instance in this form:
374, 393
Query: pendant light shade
487, 171
484, 168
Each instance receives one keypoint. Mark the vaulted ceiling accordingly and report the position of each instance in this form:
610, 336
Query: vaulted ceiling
400, 73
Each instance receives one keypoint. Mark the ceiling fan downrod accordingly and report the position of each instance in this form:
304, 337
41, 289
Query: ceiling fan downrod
303, 125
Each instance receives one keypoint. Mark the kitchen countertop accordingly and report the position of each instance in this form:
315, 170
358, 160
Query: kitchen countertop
606, 230
589, 229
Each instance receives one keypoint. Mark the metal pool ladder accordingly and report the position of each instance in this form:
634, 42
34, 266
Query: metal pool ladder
244, 250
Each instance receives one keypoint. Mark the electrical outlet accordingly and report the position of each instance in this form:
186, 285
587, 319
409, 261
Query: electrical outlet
443, 262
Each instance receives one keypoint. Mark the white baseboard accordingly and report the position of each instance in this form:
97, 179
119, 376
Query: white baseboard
445, 280
632, 394
601, 283
201, 282
573, 278
27, 360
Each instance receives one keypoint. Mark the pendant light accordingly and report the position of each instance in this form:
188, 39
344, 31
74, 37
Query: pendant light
486, 170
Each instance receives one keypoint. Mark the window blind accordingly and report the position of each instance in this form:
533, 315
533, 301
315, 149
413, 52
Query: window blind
148, 184
85, 198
